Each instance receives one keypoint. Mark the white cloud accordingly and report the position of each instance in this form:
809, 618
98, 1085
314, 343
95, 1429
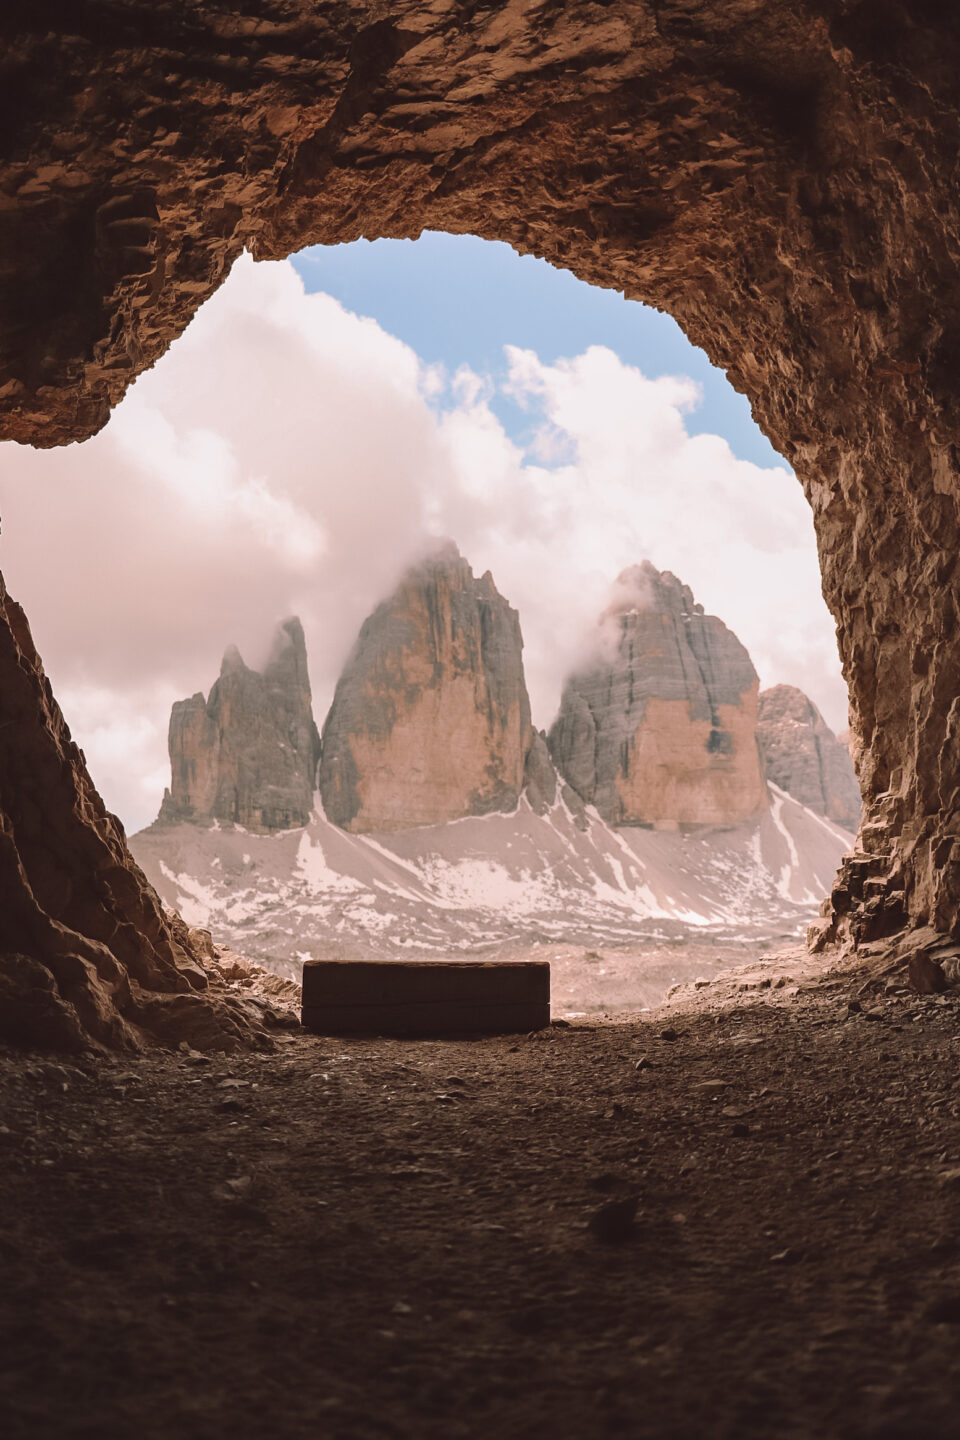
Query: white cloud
288, 456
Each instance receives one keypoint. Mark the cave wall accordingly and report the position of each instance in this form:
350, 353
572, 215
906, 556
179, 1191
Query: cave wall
780, 175
88, 958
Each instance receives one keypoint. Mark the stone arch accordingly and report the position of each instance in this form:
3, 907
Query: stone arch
780, 175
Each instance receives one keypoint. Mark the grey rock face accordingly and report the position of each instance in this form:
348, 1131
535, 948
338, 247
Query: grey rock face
248, 754
802, 755
430, 720
659, 727
539, 776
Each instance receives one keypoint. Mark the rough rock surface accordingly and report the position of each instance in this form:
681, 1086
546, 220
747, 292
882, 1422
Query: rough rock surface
248, 754
802, 755
87, 955
779, 175
540, 779
430, 720
658, 729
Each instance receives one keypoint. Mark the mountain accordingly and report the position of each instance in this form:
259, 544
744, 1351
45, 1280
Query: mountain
657, 728
247, 755
486, 883
802, 755
430, 720
441, 825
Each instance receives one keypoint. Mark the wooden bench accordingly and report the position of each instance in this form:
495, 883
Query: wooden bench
425, 997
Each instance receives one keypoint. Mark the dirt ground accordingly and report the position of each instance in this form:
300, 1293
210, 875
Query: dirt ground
632, 977
369, 1238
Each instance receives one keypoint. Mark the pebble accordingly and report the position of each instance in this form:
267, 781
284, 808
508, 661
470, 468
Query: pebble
786, 1257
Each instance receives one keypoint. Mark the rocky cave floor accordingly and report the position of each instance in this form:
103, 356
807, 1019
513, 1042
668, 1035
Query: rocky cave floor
374, 1238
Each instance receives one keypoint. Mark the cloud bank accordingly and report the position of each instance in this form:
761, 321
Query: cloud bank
289, 457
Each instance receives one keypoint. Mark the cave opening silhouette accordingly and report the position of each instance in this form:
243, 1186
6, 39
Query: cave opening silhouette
780, 179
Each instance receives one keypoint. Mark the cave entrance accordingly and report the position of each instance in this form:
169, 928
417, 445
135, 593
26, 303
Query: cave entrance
319, 428
782, 184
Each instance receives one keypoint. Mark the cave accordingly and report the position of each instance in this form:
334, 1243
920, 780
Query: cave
375, 1248
779, 177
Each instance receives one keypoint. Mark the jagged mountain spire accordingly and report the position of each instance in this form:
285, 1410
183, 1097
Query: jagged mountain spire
248, 754
658, 727
431, 719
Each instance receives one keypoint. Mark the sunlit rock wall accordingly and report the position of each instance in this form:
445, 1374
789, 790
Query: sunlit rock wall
658, 728
430, 720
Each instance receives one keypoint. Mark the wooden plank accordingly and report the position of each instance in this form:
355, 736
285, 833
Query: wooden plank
432, 997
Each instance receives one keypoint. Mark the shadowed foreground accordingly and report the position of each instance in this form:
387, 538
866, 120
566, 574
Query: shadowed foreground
372, 1238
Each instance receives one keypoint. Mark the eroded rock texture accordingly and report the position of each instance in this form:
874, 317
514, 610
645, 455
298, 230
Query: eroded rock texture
247, 755
430, 719
780, 175
87, 955
802, 755
659, 729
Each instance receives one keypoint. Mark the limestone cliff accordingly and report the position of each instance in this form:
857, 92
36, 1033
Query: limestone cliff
658, 728
248, 754
802, 755
430, 720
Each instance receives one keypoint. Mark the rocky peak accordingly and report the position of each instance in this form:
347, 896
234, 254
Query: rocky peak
430, 720
658, 727
247, 755
802, 755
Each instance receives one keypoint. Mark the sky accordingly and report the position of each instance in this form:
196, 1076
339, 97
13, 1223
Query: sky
426, 293
292, 454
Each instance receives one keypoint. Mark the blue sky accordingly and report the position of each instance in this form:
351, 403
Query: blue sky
456, 299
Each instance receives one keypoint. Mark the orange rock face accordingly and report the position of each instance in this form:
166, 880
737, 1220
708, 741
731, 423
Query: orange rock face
659, 728
675, 774
430, 721
779, 175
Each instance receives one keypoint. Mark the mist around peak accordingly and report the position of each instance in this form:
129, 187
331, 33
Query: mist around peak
226, 491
